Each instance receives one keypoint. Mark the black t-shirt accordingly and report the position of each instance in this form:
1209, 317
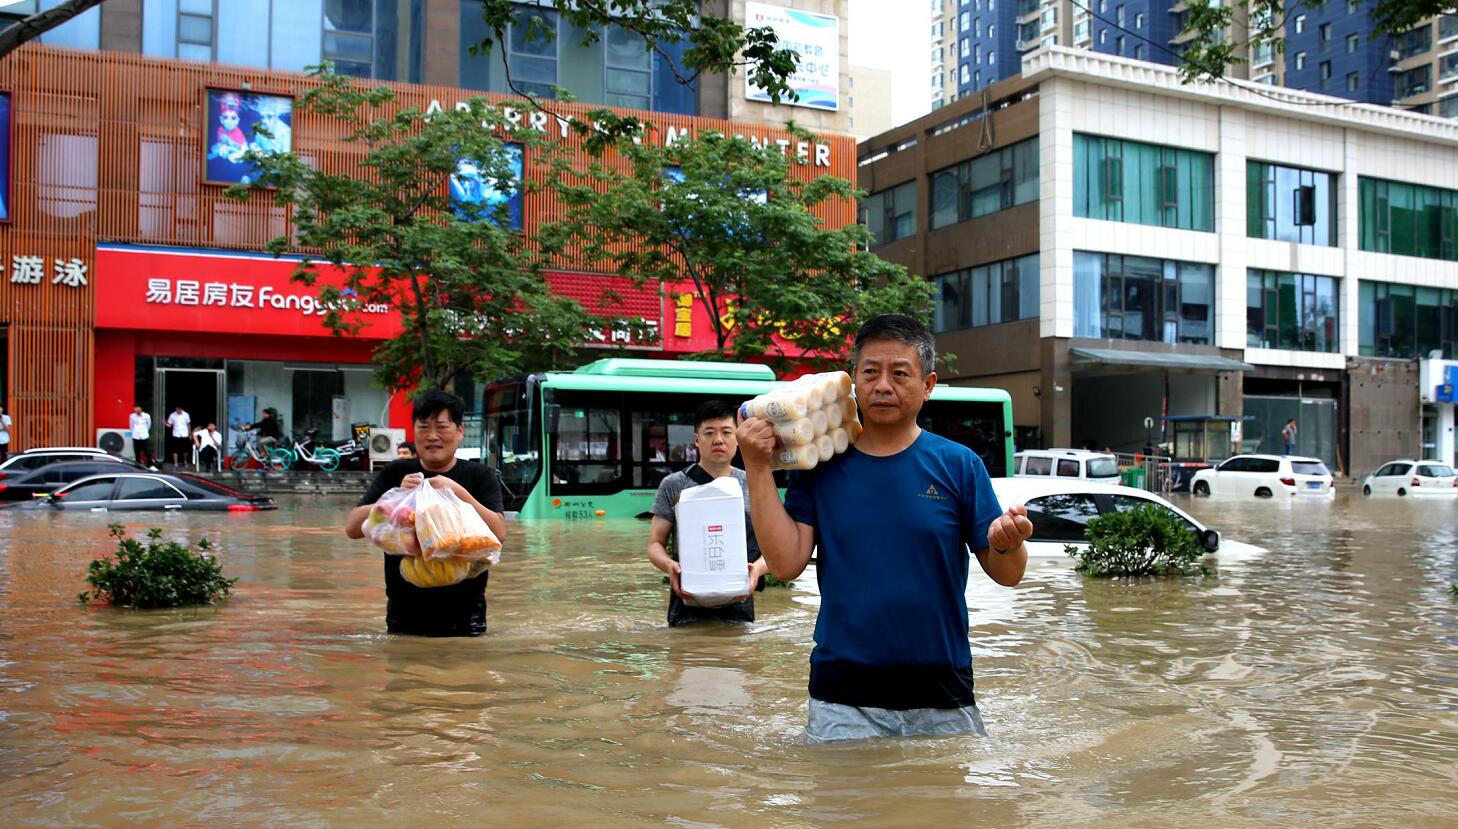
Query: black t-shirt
268, 428
456, 610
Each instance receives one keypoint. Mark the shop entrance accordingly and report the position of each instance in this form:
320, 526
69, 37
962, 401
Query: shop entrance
199, 391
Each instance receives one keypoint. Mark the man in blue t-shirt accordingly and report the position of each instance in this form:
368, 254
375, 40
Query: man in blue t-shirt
892, 520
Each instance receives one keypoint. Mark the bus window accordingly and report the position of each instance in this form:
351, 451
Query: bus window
511, 437
586, 450
977, 426
663, 442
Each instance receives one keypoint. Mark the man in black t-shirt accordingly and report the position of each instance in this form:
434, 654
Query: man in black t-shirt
459, 609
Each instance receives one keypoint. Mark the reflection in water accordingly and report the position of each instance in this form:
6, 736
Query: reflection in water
1313, 683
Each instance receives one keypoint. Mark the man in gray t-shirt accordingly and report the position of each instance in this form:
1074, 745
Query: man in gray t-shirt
714, 438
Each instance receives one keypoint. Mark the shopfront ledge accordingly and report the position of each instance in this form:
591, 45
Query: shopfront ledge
1120, 358
256, 482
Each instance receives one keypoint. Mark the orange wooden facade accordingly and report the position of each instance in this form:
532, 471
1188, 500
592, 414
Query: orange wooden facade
107, 147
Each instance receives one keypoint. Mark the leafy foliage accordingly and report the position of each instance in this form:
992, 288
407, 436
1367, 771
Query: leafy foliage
159, 574
731, 217
1211, 50
470, 289
715, 44
1139, 542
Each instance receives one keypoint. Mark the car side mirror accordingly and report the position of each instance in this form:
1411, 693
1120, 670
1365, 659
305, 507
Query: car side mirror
1210, 540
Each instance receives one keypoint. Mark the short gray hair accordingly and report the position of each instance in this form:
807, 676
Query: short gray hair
902, 329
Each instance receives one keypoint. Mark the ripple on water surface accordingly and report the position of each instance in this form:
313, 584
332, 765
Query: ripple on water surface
1312, 683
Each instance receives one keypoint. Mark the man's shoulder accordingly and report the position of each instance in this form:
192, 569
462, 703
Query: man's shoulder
674, 481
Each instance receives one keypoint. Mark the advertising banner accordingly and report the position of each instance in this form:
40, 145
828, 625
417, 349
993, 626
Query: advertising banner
181, 289
816, 38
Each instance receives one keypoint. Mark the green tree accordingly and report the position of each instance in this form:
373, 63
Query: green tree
1148, 540
470, 290
1211, 49
730, 217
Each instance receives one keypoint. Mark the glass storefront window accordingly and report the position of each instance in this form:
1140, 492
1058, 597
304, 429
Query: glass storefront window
1291, 311
1126, 181
992, 182
1138, 298
1406, 321
1290, 204
986, 295
328, 397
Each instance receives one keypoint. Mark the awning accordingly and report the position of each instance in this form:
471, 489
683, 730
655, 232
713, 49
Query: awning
1154, 359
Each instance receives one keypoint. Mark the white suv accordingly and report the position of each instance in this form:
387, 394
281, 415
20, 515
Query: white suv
1264, 476
1417, 478
1066, 463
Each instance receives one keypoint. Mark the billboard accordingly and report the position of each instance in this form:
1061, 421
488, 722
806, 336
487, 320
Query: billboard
816, 38
240, 122
475, 195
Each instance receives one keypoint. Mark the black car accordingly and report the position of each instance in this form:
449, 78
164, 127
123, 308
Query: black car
23, 484
36, 458
128, 491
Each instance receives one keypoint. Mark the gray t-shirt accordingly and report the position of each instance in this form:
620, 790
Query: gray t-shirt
673, 486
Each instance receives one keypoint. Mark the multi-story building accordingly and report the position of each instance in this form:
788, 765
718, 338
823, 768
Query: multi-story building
1138, 260
943, 52
123, 259
430, 41
1330, 49
867, 101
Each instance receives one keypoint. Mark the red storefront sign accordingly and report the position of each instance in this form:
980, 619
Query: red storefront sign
689, 329
169, 289
188, 290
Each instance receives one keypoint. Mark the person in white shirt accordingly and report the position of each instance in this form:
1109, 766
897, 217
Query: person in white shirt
181, 425
5, 423
209, 443
140, 424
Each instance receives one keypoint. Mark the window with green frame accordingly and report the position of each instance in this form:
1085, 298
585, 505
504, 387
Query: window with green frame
1290, 204
1291, 310
1408, 219
977, 187
1405, 320
1126, 181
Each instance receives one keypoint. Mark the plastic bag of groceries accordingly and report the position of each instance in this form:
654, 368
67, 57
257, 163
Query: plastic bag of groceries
391, 523
449, 528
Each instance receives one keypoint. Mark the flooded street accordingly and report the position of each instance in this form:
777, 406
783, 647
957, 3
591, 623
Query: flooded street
1316, 684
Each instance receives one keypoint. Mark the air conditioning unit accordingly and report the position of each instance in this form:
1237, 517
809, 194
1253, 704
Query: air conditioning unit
116, 441
384, 443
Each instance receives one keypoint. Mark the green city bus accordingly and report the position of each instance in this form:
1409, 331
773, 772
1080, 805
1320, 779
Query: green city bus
610, 431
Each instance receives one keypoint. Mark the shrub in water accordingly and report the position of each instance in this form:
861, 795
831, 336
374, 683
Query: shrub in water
1140, 542
159, 574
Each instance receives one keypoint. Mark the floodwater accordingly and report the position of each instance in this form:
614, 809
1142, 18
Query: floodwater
1316, 684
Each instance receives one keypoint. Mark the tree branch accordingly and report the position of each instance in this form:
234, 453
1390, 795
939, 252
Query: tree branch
38, 24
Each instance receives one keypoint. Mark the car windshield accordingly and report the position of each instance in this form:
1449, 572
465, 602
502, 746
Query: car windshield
1103, 468
1309, 468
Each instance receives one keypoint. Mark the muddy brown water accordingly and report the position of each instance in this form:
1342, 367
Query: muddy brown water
1314, 684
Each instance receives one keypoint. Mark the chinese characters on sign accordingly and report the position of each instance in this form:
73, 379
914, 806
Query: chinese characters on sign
233, 295
683, 316
31, 270
714, 546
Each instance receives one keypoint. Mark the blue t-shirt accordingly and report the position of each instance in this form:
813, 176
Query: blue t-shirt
892, 536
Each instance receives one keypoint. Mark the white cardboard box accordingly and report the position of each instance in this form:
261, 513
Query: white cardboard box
712, 545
